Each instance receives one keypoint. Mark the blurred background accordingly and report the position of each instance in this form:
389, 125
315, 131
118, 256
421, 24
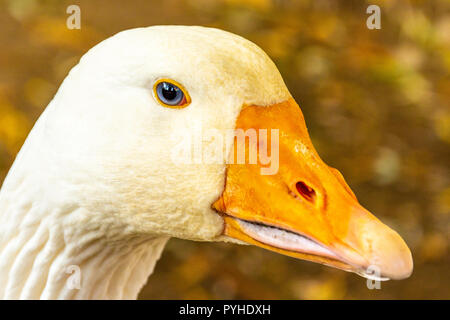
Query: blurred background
377, 104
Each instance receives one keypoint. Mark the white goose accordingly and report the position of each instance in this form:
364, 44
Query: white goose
95, 185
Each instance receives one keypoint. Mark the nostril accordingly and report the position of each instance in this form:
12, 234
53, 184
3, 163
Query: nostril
306, 191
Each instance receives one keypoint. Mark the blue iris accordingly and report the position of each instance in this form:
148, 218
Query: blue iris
169, 93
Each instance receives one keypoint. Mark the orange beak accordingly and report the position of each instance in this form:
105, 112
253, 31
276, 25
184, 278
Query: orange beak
296, 205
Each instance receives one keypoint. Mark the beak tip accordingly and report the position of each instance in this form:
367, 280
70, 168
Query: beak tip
391, 254
385, 253
402, 266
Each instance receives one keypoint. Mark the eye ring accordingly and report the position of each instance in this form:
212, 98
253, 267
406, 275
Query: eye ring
171, 94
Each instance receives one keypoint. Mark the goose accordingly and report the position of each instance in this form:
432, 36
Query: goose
99, 188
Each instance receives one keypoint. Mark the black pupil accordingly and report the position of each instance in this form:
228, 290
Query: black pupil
169, 91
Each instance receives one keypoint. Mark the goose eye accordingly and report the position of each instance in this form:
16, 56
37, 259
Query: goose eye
171, 94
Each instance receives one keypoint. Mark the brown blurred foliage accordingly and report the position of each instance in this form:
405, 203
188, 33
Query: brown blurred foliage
377, 104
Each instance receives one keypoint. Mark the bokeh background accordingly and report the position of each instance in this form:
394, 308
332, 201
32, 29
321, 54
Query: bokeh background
377, 104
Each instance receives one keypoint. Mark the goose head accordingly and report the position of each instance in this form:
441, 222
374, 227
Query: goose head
144, 135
